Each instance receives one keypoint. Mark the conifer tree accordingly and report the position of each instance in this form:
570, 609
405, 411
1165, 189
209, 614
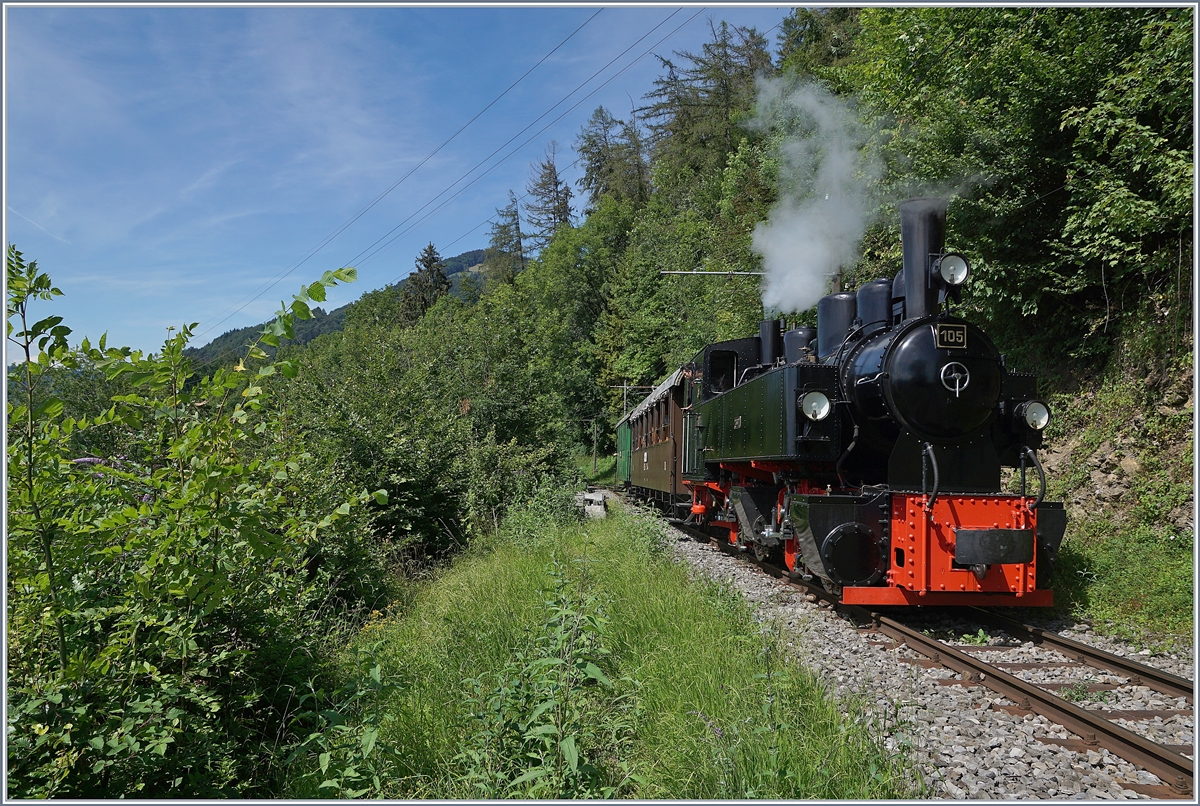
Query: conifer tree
695, 109
614, 159
549, 205
812, 39
425, 286
506, 251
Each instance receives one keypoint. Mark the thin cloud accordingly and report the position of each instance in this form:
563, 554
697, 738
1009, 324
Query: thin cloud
209, 177
150, 282
39, 226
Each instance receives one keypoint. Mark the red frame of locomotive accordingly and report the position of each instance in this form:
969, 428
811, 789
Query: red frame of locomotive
921, 567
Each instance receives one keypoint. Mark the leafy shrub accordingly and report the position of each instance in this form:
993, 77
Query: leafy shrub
344, 734
161, 614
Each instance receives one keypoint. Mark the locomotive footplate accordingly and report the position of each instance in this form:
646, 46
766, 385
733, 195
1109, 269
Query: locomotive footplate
900, 596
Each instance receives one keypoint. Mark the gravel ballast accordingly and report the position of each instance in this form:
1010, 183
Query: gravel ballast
964, 746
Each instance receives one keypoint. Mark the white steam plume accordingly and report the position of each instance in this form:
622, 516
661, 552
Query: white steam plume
825, 177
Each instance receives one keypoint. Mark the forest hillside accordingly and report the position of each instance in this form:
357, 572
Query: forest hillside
190, 548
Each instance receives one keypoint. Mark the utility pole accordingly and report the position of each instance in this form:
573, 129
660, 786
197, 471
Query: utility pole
595, 436
625, 395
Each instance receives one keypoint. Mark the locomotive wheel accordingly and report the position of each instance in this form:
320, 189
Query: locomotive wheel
769, 554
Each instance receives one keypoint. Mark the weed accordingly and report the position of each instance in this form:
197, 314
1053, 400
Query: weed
978, 639
350, 760
552, 723
1078, 692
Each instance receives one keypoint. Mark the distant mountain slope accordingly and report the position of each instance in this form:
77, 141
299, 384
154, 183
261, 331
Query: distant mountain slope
231, 345
464, 261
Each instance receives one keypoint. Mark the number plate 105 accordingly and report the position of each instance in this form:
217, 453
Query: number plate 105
952, 337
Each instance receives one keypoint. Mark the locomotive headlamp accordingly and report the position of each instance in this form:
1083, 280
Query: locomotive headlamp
953, 268
1035, 413
815, 406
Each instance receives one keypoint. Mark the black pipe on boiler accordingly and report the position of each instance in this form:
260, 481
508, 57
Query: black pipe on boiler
922, 236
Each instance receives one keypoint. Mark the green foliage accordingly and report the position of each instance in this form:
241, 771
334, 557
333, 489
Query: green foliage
424, 287
350, 761
813, 40
601, 472
614, 159
652, 323
506, 246
181, 543
525, 615
549, 205
978, 639
1122, 420
1014, 110
460, 263
695, 110
226, 349
551, 723
158, 603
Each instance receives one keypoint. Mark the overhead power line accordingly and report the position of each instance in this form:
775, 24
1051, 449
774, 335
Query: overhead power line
490, 219
371, 251
576, 162
502, 146
258, 292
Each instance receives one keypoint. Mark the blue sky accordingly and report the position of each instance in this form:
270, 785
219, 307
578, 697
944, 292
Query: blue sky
164, 164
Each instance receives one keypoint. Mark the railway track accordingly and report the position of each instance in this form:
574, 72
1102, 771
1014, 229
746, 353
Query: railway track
1025, 685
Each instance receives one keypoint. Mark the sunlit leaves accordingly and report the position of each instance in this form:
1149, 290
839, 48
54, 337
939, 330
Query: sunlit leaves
148, 572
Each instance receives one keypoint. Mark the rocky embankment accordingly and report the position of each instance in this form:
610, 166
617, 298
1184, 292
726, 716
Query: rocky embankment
964, 746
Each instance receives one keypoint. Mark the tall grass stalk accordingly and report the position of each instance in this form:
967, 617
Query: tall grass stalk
668, 685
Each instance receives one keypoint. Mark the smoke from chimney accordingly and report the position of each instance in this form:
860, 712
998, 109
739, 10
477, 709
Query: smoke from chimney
826, 175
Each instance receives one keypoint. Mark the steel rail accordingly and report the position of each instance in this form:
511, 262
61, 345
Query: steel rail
1171, 767
1095, 730
1138, 673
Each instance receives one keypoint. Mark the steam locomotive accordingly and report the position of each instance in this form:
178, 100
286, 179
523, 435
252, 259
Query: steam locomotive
866, 453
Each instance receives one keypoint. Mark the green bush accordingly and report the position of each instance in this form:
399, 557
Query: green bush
161, 614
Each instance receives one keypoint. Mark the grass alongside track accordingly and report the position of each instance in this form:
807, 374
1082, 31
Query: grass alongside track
1124, 565
580, 661
602, 471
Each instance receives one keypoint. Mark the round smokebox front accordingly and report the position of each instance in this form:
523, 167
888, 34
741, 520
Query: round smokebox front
943, 378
